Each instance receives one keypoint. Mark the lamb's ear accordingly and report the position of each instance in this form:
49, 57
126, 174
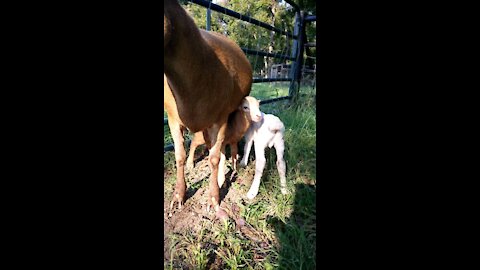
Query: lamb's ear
240, 107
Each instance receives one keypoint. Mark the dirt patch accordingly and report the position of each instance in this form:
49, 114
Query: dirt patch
193, 213
197, 195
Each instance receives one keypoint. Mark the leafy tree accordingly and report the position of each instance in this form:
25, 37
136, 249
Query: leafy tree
246, 35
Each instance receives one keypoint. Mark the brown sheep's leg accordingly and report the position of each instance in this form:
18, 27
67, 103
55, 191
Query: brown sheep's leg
196, 141
191, 154
207, 144
217, 136
180, 187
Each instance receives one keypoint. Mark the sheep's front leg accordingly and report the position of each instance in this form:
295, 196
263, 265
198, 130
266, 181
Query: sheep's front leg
180, 187
248, 146
281, 167
217, 136
259, 166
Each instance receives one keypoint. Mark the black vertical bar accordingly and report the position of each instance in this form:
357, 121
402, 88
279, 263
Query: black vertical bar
209, 17
295, 48
295, 85
299, 65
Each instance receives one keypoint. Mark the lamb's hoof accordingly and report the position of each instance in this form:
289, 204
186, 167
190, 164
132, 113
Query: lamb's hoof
221, 214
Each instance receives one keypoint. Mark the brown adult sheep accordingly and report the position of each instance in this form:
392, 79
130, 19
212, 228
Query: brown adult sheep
206, 76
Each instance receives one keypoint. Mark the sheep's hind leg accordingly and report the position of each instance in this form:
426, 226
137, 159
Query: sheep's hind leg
180, 186
281, 167
196, 141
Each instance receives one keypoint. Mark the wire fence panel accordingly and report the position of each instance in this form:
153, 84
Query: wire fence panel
237, 15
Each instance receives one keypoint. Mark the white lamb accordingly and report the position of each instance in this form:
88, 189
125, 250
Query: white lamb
267, 132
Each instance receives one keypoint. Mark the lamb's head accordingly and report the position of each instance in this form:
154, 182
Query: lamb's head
251, 107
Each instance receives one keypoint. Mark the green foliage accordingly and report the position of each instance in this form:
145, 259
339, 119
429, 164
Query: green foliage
307, 5
248, 35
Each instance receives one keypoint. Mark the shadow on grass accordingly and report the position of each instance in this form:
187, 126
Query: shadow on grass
297, 235
191, 191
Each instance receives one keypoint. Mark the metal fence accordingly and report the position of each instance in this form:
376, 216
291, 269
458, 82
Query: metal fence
296, 55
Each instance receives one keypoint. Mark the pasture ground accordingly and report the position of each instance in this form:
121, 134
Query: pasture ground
272, 231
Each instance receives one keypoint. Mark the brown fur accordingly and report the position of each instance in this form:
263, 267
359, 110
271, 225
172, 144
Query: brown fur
237, 125
206, 76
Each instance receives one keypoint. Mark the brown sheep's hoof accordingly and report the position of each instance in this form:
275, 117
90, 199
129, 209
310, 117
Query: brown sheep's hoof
175, 198
221, 214
213, 203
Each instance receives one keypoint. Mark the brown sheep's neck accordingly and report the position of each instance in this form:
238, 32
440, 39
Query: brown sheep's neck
186, 51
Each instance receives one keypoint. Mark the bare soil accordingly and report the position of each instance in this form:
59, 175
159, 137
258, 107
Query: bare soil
193, 212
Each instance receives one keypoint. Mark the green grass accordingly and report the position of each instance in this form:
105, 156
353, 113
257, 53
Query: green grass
284, 226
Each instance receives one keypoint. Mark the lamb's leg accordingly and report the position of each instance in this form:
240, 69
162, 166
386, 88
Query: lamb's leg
279, 145
217, 135
221, 168
248, 146
259, 166
180, 187
234, 152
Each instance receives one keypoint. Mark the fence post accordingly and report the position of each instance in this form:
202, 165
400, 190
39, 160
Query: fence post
297, 52
291, 89
209, 17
